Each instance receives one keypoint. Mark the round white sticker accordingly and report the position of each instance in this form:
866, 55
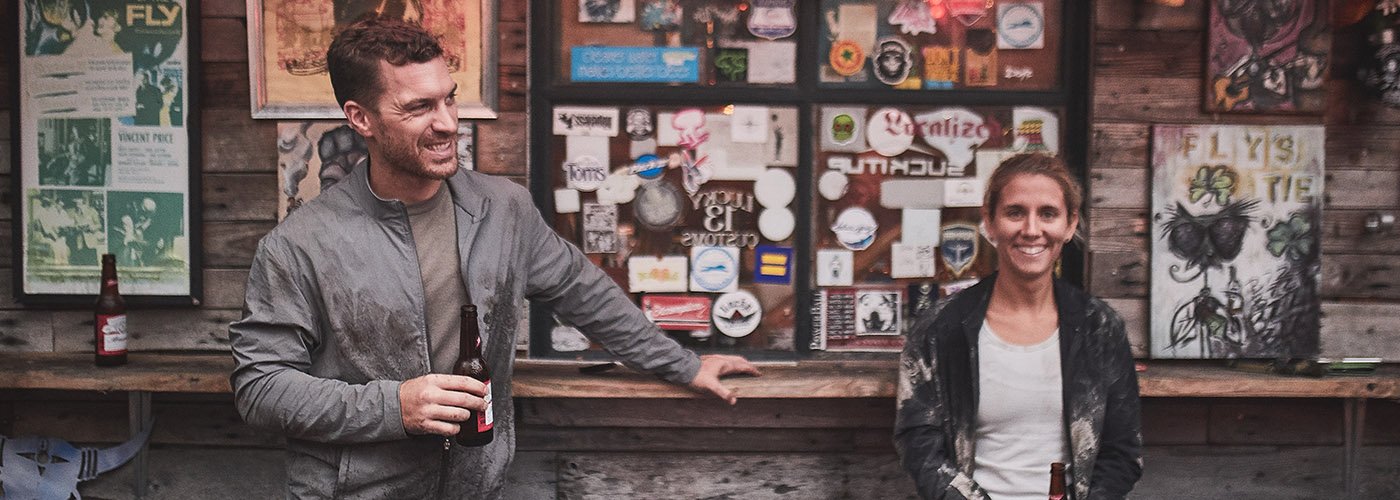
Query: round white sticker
776, 224
585, 173
775, 188
832, 185
890, 131
737, 314
855, 228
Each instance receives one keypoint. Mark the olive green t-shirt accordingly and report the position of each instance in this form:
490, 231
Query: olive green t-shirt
434, 226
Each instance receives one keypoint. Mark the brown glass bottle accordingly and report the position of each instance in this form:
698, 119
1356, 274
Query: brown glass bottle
109, 321
1057, 481
477, 429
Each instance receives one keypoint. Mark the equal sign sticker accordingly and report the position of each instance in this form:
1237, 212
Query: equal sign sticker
773, 265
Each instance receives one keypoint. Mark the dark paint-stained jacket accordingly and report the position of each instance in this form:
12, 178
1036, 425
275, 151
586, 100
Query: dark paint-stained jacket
334, 320
936, 422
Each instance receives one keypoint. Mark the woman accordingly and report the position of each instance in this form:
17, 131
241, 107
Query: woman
1021, 370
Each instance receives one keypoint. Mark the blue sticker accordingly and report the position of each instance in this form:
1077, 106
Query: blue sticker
635, 64
648, 167
959, 247
772, 264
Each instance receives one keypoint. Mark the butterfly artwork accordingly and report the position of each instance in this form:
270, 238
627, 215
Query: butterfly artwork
1235, 241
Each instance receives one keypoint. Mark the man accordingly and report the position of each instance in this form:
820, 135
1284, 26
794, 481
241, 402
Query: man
350, 319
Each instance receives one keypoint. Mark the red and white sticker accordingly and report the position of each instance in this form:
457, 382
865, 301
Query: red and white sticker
677, 312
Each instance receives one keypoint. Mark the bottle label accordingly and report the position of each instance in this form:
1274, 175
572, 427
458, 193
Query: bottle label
485, 419
111, 334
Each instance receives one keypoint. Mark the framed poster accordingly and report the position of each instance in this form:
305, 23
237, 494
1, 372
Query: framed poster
1267, 60
1236, 241
107, 163
287, 42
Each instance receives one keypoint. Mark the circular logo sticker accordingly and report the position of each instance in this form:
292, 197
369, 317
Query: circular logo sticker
855, 228
639, 124
890, 131
843, 129
846, 58
1020, 26
832, 185
736, 314
893, 61
585, 173
650, 166
658, 206
714, 269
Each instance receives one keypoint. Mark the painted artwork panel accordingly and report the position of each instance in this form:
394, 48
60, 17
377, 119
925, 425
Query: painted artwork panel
1236, 241
1264, 60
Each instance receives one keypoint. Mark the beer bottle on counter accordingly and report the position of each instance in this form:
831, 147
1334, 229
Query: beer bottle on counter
109, 323
1057, 481
477, 429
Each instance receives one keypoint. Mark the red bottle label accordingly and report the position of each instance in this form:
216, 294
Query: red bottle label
485, 419
111, 334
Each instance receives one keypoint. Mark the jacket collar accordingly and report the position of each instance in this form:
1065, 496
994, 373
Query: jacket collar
1071, 303
466, 195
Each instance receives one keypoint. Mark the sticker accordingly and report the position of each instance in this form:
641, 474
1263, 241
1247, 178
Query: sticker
772, 19
920, 226
749, 124
620, 187
843, 129
771, 62
662, 15
694, 172
893, 60
913, 17
1021, 25
689, 125
911, 193
634, 64
878, 312
565, 338
781, 148
940, 67
846, 57
729, 160
659, 206
912, 261
962, 193
677, 312
595, 146
606, 11
980, 59
835, 267
639, 124
776, 224
775, 188
732, 64
832, 185
855, 228
585, 173
665, 135
956, 132
772, 265
890, 131
649, 166
566, 201
1037, 129
737, 314
714, 269
1021, 73
921, 297
657, 274
600, 241
968, 12
593, 121
959, 247
838, 315
857, 22
953, 287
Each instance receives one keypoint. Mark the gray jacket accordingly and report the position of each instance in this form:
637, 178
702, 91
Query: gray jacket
333, 322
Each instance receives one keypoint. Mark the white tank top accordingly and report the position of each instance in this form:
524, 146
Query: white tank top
1020, 416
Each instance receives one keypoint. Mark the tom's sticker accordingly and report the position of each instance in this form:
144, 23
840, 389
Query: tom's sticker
585, 173
959, 247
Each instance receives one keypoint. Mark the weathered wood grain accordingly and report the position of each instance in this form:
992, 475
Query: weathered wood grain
224, 9
235, 142
705, 440
1175, 421
26, 331
1165, 54
806, 380
707, 413
1276, 422
1149, 98
1149, 16
150, 330
513, 86
223, 288
1134, 314
6, 199
734, 476
198, 472
213, 423
223, 40
512, 40
232, 244
224, 85
1348, 329
196, 373
240, 197
1363, 146
508, 11
1119, 145
1380, 427
1350, 104
500, 145
1262, 472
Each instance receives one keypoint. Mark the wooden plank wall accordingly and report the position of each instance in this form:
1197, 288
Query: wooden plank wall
1148, 68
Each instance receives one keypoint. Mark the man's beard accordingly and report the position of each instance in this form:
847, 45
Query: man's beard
403, 156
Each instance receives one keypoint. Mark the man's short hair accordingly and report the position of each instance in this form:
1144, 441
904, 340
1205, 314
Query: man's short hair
354, 55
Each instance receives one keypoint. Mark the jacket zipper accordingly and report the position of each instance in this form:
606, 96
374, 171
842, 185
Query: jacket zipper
442, 468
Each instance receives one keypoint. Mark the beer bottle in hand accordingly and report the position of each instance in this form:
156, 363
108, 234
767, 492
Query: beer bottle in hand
110, 319
476, 430
1057, 481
